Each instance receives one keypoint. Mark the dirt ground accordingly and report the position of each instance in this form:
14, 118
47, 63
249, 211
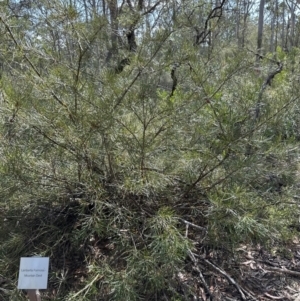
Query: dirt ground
255, 274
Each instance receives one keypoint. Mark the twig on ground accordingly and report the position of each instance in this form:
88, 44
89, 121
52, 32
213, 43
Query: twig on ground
273, 297
204, 283
231, 280
193, 258
279, 270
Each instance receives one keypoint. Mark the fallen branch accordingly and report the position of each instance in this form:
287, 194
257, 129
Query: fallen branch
204, 283
231, 280
193, 258
273, 297
279, 270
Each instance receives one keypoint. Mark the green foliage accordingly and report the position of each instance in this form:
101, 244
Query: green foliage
100, 169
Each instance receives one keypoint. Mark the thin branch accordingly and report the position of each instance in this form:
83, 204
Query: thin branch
231, 280
35, 69
285, 271
17, 44
266, 83
91, 164
193, 258
221, 180
151, 9
86, 288
52, 140
203, 175
201, 36
120, 98
274, 297
193, 225
262, 57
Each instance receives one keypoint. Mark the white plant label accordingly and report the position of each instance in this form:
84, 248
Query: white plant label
33, 273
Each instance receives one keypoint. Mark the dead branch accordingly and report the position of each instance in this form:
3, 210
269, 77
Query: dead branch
285, 271
193, 258
273, 297
231, 280
193, 225
201, 36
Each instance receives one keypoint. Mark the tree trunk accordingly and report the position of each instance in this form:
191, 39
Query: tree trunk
238, 17
292, 8
260, 28
277, 24
283, 40
272, 40
246, 8
113, 9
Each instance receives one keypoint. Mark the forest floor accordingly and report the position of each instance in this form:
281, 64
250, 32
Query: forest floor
255, 274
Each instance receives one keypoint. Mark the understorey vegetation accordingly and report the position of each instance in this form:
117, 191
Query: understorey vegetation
142, 143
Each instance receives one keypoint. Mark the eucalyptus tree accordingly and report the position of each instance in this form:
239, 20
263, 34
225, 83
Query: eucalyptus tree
260, 26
